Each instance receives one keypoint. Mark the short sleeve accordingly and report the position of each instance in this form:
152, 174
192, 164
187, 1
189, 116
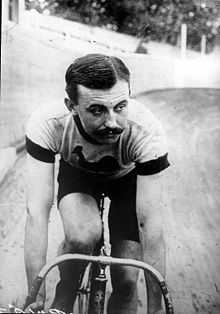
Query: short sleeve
153, 166
40, 138
150, 151
39, 152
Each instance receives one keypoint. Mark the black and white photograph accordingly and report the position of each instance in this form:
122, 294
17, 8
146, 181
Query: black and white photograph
110, 157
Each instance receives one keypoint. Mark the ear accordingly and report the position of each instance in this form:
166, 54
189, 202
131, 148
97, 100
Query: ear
69, 104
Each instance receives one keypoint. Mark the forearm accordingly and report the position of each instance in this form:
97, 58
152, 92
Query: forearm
152, 242
153, 253
35, 246
150, 213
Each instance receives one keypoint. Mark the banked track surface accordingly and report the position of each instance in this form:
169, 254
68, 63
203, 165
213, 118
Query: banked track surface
191, 118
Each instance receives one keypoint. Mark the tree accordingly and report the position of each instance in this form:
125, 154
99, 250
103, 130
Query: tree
163, 17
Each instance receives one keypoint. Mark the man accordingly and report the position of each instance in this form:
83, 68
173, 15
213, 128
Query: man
107, 143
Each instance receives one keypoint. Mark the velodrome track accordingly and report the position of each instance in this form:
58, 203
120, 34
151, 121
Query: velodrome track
192, 195
191, 118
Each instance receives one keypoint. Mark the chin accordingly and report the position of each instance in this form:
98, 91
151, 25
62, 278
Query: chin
110, 141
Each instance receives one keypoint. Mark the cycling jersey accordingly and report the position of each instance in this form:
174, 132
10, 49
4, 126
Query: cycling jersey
142, 144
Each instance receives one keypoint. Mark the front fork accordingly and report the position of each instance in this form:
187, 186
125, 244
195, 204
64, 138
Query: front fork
98, 290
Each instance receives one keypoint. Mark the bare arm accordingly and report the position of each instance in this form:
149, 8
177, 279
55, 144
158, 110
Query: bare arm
40, 193
150, 213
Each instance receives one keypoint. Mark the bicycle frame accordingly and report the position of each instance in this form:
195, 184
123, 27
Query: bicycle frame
103, 260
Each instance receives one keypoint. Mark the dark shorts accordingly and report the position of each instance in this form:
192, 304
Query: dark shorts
121, 192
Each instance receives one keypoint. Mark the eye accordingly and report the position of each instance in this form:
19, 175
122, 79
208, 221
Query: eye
121, 106
96, 110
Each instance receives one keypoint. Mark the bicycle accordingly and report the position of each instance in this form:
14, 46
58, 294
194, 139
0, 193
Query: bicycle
90, 297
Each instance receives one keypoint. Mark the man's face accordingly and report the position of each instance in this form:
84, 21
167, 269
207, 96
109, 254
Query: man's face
103, 113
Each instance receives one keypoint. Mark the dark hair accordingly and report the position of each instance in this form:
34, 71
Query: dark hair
95, 71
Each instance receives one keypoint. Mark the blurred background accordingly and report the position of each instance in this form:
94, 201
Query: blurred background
172, 48
154, 20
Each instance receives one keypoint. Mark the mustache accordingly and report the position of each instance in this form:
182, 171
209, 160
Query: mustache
108, 131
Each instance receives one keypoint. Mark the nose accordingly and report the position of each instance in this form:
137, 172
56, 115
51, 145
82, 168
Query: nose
110, 120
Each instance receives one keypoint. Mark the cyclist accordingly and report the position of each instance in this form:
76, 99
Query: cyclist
108, 143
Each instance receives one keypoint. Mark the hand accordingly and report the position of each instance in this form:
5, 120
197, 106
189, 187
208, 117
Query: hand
35, 307
38, 305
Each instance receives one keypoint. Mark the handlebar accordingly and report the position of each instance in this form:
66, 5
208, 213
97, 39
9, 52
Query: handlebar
106, 260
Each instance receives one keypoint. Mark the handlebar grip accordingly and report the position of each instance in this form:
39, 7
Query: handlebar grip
167, 298
33, 292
